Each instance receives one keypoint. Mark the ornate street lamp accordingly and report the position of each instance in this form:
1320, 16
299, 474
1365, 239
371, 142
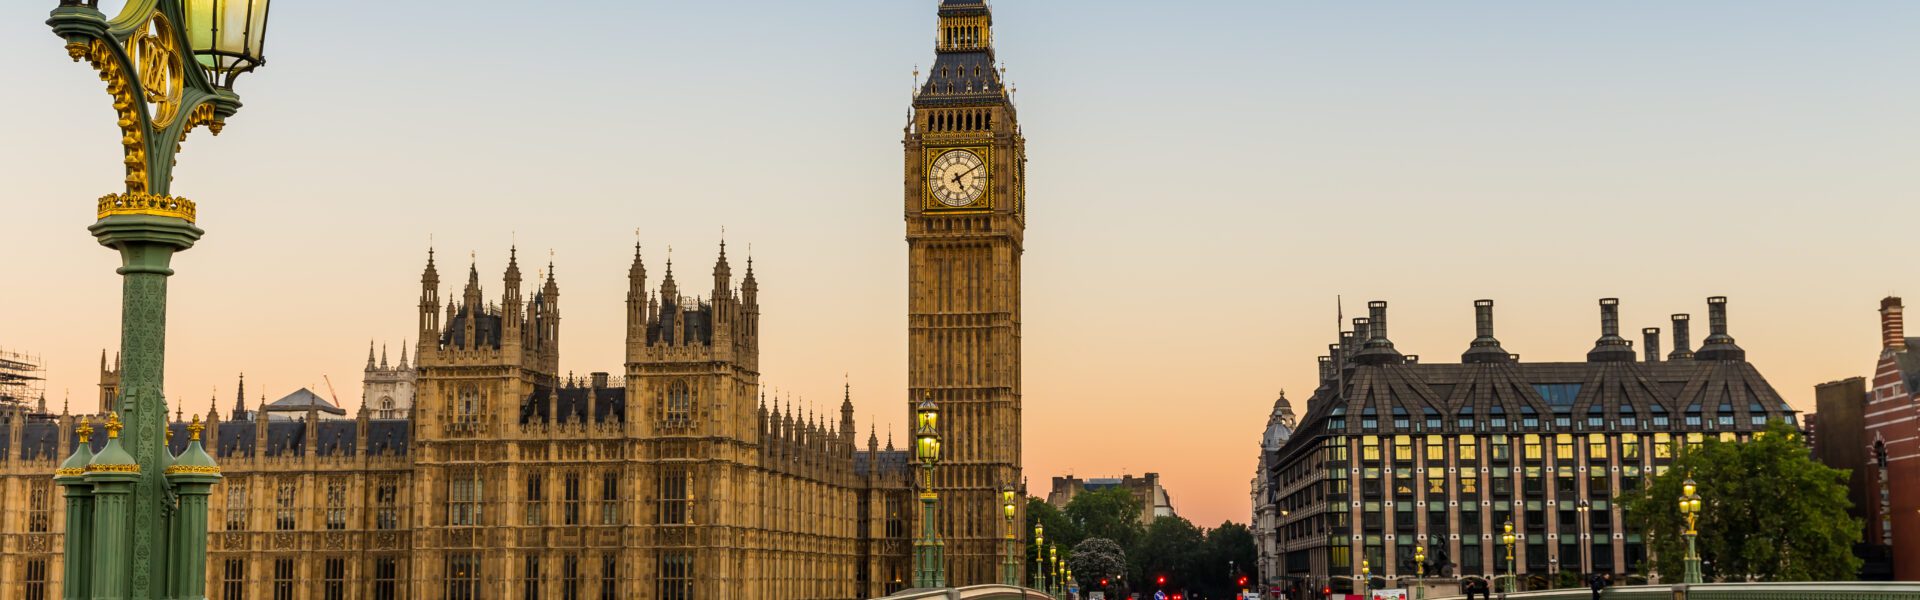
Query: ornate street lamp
1053, 569
929, 551
1690, 507
1420, 570
1513, 577
1586, 525
1007, 506
169, 66
1039, 556
1366, 576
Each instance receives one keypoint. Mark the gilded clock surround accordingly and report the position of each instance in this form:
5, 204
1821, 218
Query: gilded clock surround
984, 203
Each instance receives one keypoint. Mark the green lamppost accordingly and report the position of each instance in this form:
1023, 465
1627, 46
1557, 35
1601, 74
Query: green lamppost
1053, 570
1513, 576
1690, 507
930, 571
1007, 506
169, 66
1039, 556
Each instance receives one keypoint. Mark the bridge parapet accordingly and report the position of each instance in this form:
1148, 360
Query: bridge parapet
978, 592
1811, 590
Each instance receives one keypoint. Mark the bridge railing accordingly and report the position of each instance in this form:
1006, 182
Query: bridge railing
978, 592
1837, 590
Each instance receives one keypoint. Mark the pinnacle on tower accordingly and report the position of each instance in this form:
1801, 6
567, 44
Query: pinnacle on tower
369, 354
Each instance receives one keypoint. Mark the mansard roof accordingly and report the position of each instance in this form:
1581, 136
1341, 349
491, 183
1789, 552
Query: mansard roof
1352, 395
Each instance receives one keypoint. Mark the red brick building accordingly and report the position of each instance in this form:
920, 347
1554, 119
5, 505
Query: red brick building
1893, 446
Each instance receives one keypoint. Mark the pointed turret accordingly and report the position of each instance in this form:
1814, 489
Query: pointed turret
239, 399
846, 414
637, 299
722, 274
370, 363
510, 297
403, 355
429, 302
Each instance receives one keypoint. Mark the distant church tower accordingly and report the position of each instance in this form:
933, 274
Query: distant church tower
109, 384
966, 222
387, 390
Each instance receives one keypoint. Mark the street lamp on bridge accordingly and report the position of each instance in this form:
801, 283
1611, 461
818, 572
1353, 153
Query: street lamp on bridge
930, 570
1513, 576
1690, 507
169, 66
1012, 576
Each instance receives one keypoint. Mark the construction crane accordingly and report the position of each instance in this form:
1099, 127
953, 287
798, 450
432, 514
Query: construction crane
330, 392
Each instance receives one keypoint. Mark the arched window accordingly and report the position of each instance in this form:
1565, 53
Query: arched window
466, 408
386, 407
679, 404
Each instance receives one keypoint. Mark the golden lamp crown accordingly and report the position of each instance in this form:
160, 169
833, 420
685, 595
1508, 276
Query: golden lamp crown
113, 425
194, 429
85, 430
147, 204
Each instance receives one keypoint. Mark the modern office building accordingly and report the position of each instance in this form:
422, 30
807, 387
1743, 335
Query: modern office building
1394, 453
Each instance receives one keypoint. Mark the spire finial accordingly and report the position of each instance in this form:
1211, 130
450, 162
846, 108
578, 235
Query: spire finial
194, 429
113, 425
85, 430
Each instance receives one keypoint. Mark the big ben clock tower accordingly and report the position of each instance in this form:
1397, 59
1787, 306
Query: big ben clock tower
966, 222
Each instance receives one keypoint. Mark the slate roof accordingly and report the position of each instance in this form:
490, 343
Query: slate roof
889, 462
487, 329
574, 404
1609, 390
301, 400
962, 76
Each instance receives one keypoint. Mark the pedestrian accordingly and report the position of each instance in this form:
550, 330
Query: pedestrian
1597, 582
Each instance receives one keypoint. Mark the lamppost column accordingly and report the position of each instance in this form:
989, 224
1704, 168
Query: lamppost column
71, 475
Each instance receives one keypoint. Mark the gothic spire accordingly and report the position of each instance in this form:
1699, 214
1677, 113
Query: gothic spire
369, 354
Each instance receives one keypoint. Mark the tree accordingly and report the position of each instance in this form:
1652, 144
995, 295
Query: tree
1060, 531
1112, 513
1169, 548
1096, 559
1771, 513
1230, 552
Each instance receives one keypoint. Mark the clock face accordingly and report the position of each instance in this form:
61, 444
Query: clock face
957, 178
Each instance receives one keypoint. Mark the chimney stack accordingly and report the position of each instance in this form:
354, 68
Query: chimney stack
1651, 335
599, 380
1893, 329
1485, 348
1378, 350
1682, 339
1610, 347
1719, 345
1362, 331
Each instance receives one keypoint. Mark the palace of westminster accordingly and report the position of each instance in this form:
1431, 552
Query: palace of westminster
480, 471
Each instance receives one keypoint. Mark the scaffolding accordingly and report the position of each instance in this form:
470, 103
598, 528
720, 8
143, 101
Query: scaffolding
22, 381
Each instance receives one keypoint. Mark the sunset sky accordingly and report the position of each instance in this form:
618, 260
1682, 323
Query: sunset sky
1205, 178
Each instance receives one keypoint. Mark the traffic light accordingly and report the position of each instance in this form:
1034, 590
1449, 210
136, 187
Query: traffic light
1161, 580
1103, 582
1243, 581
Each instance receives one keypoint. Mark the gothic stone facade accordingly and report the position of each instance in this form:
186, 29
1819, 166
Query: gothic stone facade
965, 206
510, 481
